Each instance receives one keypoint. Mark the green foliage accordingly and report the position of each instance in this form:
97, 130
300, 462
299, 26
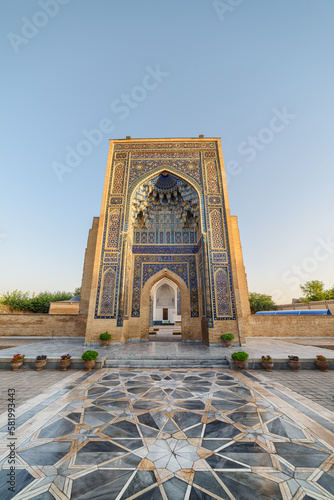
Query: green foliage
105, 336
293, 358
20, 301
240, 356
315, 290
227, 336
16, 300
89, 355
261, 302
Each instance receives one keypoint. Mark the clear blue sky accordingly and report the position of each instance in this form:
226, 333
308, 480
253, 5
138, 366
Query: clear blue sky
257, 73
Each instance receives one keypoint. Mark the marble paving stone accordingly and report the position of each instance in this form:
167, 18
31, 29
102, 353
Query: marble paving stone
22, 479
175, 434
246, 485
97, 452
140, 481
44, 496
61, 427
208, 481
197, 494
45, 454
218, 429
175, 489
327, 481
101, 484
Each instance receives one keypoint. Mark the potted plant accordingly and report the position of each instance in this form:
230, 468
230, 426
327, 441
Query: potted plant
65, 361
105, 337
89, 359
40, 362
240, 359
17, 361
294, 363
322, 363
267, 363
227, 339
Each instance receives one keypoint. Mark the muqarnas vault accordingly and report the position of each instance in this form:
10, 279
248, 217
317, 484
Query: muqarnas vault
165, 248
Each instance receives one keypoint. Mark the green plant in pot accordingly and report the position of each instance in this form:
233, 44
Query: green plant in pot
105, 338
89, 358
227, 339
240, 359
65, 361
267, 362
294, 363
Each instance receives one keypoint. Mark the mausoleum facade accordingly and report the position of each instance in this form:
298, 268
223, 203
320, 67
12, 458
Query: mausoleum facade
165, 248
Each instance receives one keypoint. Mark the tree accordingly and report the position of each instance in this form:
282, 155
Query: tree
315, 290
261, 302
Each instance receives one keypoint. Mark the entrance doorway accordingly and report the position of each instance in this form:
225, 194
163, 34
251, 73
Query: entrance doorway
165, 311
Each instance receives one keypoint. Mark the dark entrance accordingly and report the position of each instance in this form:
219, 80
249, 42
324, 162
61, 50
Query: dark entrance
165, 314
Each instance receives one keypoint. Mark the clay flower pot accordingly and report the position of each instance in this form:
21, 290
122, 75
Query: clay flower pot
268, 365
89, 365
104, 343
64, 364
15, 365
240, 365
227, 343
39, 364
322, 365
294, 365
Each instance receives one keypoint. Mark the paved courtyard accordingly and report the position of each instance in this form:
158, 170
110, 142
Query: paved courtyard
167, 434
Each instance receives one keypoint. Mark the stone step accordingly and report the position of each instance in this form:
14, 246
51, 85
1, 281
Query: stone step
166, 363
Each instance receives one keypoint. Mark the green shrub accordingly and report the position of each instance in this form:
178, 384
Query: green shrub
16, 300
240, 356
41, 303
89, 355
105, 336
20, 301
227, 336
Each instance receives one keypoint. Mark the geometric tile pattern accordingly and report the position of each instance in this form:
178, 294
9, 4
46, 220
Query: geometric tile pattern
108, 290
118, 178
113, 230
212, 179
223, 303
217, 229
175, 434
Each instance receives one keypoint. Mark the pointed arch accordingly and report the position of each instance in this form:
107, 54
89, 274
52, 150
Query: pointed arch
173, 171
185, 300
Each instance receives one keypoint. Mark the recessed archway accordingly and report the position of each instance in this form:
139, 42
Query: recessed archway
191, 328
165, 310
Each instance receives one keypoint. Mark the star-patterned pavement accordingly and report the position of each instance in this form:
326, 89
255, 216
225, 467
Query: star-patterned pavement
168, 434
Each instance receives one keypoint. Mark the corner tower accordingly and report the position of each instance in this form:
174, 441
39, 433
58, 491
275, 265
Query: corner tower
165, 215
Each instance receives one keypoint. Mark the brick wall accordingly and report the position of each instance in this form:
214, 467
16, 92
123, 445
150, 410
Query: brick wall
292, 326
40, 325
